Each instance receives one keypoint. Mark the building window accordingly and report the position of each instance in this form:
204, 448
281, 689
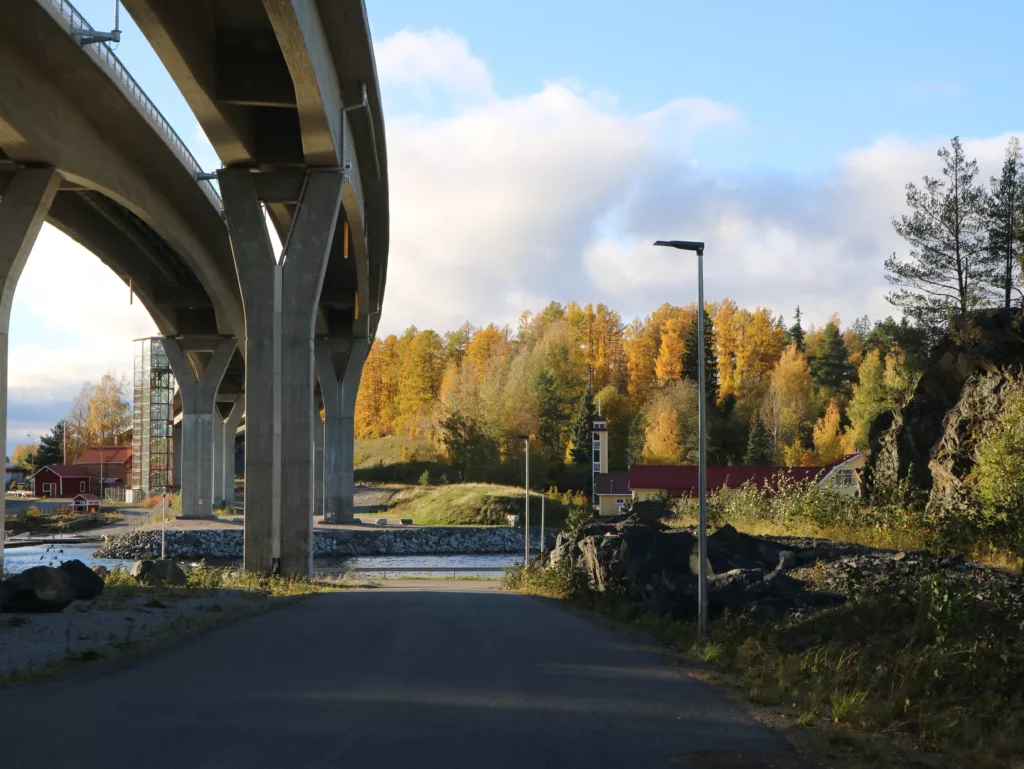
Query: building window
844, 478
620, 501
597, 457
81, 485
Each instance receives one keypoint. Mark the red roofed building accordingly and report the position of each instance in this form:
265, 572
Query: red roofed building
113, 463
649, 481
60, 481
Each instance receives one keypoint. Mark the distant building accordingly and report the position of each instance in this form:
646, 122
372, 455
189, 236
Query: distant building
152, 470
14, 473
111, 463
86, 503
615, 490
60, 481
599, 447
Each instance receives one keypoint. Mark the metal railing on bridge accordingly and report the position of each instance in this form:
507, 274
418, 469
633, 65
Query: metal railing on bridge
75, 19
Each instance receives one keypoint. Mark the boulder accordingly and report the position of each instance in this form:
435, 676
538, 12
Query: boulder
40, 589
729, 549
100, 570
88, 584
787, 560
153, 573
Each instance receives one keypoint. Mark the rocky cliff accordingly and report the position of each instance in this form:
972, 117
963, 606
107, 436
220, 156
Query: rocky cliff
931, 441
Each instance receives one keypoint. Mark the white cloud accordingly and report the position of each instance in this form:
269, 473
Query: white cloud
559, 195
437, 59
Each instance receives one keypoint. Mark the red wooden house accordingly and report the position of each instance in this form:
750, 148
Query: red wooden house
60, 481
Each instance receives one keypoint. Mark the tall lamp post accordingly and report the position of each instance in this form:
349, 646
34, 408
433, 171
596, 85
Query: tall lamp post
526, 520
702, 523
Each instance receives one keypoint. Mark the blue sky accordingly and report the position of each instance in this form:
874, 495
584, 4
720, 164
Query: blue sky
544, 145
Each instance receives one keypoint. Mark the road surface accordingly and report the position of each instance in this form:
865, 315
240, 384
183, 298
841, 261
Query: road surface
438, 675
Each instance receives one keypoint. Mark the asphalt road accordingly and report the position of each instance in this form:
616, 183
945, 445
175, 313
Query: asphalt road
387, 678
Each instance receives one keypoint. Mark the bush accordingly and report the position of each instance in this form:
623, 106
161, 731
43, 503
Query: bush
33, 512
425, 478
556, 581
999, 478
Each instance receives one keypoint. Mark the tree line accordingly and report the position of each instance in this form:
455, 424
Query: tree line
778, 393
101, 415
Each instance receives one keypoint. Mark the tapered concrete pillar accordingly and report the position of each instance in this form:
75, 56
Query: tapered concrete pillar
280, 301
218, 457
198, 389
23, 209
318, 461
339, 433
176, 454
229, 429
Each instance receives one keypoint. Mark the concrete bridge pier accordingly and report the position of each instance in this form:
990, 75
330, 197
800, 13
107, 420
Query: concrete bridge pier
280, 301
318, 460
339, 428
23, 208
198, 385
224, 429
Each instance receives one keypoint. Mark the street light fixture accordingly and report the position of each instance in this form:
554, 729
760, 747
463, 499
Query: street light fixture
702, 523
526, 520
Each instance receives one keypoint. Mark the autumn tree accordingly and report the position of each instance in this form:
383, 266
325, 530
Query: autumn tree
25, 455
759, 348
784, 409
640, 347
368, 418
668, 366
828, 441
730, 321
421, 372
110, 410
663, 442
618, 414
947, 270
551, 408
869, 400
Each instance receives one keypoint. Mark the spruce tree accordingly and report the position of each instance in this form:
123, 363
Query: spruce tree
759, 444
550, 411
582, 428
690, 367
51, 447
796, 331
830, 368
1005, 213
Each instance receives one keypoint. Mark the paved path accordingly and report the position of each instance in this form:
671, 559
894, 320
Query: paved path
464, 677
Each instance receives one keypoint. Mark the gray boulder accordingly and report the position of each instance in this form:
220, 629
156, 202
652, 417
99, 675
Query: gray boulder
729, 549
38, 590
88, 584
152, 573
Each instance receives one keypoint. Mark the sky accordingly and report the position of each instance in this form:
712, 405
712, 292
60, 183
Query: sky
536, 150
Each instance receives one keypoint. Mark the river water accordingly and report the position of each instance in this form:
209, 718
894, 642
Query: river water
17, 559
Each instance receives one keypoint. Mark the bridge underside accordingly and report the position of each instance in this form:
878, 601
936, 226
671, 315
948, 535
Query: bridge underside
286, 90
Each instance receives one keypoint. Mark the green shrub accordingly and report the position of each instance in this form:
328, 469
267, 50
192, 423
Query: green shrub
555, 581
999, 476
425, 478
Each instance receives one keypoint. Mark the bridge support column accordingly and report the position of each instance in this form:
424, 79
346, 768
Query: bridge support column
339, 428
229, 429
198, 388
23, 209
280, 301
318, 461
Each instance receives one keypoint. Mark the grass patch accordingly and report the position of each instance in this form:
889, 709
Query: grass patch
463, 504
393, 450
926, 662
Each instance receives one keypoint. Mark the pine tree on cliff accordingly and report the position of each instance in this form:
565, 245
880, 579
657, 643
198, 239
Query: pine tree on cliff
947, 272
1005, 213
582, 428
759, 445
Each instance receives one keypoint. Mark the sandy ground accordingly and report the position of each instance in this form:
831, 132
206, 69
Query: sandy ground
110, 624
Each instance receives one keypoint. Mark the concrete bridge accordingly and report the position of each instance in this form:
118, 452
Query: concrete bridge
286, 90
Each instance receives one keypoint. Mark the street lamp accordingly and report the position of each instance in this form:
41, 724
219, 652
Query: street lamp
702, 523
526, 521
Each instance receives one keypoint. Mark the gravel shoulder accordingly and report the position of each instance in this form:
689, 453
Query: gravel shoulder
119, 621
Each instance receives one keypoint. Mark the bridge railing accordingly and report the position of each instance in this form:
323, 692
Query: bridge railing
75, 19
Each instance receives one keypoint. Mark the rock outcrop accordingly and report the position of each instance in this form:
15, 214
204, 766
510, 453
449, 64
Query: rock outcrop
656, 567
931, 441
88, 583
